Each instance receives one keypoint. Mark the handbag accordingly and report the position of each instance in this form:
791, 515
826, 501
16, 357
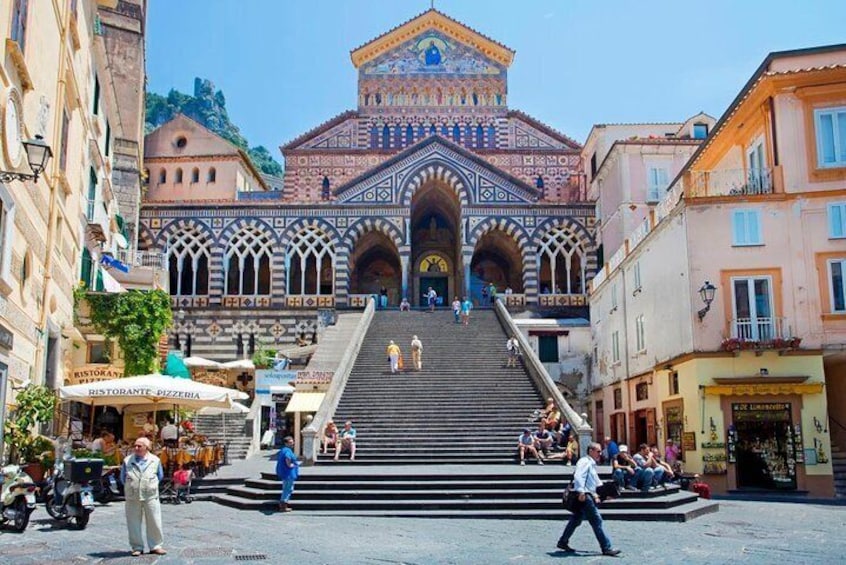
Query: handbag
608, 490
570, 499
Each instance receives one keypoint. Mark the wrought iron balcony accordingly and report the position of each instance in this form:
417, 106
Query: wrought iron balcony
734, 182
761, 330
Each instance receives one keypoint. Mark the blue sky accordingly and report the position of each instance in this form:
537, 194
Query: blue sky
284, 65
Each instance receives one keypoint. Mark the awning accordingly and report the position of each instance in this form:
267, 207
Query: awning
305, 402
110, 284
773, 389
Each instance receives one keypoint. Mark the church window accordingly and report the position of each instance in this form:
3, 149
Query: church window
212, 175
491, 136
195, 175
475, 99
433, 130
310, 264
386, 137
188, 263
409, 134
421, 131
247, 263
326, 192
445, 130
539, 182
398, 141
162, 176
480, 136
562, 263
178, 176
456, 133
374, 136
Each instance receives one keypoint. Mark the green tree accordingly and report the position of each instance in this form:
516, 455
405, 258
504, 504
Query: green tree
137, 319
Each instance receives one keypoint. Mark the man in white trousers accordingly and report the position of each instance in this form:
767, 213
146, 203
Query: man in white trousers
140, 475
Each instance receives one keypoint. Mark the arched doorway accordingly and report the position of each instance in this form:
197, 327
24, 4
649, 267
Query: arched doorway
435, 221
496, 260
375, 263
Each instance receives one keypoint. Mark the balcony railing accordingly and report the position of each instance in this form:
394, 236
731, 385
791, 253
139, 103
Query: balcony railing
732, 182
260, 195
150, 259
761, 330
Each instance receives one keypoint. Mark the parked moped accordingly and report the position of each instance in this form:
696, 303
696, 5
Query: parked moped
17, 497
69, 495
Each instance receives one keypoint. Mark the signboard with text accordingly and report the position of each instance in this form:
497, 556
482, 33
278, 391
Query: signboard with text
266, 378
93, 374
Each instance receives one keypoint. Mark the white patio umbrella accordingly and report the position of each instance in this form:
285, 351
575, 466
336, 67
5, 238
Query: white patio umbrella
239, 364
200, 363
153, 389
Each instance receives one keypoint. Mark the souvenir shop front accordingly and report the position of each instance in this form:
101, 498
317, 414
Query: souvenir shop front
769, 440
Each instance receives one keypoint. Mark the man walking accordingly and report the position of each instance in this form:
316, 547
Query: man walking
140, 474
513, 347
416, 353
287, 471
585, 482
431, 298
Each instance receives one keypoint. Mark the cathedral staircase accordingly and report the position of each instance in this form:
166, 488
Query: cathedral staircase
441, 442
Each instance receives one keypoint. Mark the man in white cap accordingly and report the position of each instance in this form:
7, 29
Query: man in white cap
416, 353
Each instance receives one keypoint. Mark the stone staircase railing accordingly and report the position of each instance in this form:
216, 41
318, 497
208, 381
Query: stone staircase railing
543, 381
311, 433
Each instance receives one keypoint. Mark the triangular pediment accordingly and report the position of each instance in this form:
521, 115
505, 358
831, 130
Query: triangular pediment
474, 180
338, 133
432, 22
199, 141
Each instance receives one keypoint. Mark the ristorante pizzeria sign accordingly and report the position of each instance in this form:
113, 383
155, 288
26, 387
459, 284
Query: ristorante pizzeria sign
144, 391
93, 374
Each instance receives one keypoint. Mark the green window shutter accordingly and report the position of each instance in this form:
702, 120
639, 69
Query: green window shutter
548, 348
99, 286
85, 274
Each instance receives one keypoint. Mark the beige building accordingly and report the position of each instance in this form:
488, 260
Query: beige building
59, 82
720, 321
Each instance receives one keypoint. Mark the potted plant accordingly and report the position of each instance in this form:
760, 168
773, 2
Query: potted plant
34, 404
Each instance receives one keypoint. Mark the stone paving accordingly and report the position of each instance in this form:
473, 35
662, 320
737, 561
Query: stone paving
206, 533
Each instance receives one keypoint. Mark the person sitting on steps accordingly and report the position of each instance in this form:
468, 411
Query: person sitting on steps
330, 436
526, 444
346, 441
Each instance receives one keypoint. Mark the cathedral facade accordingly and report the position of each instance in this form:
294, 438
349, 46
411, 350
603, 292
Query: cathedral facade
433, 181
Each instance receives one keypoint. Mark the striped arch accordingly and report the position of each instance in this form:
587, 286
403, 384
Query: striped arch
435, 170
182, 224
365, 225
280, 275
229, 231
582, 236
351, 237
518, 234
146, 239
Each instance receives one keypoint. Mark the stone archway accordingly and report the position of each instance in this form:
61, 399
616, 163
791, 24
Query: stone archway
375, 263
496, 259
435, 228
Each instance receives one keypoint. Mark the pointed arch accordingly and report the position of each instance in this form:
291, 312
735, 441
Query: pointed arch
566, 256
439, 170
247, 262
188, 254
365, 225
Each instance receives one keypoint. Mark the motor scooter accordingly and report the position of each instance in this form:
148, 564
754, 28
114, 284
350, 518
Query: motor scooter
17, 497
69, 495
108, 487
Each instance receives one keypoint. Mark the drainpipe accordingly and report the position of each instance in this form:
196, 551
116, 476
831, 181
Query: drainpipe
626, 348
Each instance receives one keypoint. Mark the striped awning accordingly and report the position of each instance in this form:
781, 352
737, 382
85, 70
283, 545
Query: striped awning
305, 402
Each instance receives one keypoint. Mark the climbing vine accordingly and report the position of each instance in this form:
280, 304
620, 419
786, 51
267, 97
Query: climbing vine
137, 319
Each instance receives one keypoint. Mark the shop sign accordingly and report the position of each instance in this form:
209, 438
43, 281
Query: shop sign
267, 378
88, 374
315, 377
7, 338
688, 441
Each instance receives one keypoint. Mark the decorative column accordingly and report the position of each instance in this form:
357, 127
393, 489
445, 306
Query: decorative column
466, 259
405, 265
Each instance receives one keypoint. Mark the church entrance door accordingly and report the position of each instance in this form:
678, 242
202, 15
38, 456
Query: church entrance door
435, 243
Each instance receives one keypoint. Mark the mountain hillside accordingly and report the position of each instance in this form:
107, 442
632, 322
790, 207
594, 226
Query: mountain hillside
208, 108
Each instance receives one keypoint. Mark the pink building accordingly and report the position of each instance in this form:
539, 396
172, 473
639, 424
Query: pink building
186, 162
720, 323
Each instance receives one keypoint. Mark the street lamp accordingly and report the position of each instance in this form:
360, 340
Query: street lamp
38, 154
706, 293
